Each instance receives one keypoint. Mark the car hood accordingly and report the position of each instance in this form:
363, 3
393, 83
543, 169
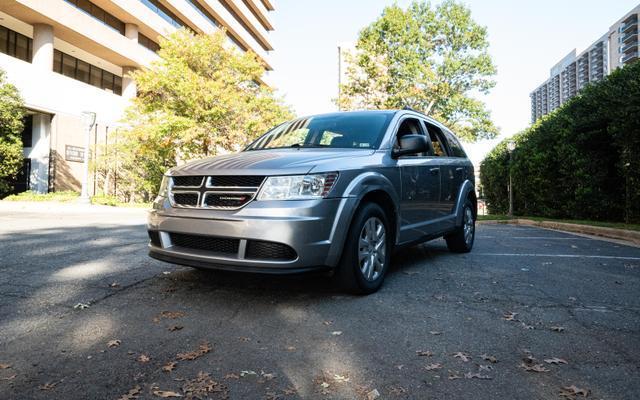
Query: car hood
270, 162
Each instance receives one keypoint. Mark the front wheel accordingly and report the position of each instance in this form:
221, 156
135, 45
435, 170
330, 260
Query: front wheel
461, 240
367, 251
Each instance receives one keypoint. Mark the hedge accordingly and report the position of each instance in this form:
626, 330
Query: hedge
580, 162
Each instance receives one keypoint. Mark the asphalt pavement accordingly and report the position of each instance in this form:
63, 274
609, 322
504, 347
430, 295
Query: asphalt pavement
85, 314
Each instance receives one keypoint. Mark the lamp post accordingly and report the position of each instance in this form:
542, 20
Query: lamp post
511, 146
88, 121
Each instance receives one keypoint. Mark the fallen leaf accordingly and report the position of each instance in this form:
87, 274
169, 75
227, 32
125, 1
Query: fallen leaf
463, 356
557, 328
10, 377
113, 343
132, 394
555, 361
81, 306
247, 372
201, 386
373, 395
573, 391
476, 375
48, 386
435, 333
143, 358
231, 376
510, 316
424, 353
336, 333
170, 366
291, 348
245, 339
325, 385
327, 323
175, 328
5, 366
438, 297
489, 358
268, 376
432, 367
114, 285
454, 375
534, 367
290, 391
397, 391
203, 349
166, 394
340, 378
170, 315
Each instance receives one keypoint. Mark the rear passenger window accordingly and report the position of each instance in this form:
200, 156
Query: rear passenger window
439, 149
454, 145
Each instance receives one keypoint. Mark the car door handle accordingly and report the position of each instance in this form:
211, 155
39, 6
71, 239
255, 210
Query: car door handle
434, 171
459, 170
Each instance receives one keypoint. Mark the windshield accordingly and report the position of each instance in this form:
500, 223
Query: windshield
360, 130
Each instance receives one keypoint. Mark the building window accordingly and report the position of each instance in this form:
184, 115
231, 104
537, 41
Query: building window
27, 131
148, 43
164, 12
99, 14
82, 71
16, 45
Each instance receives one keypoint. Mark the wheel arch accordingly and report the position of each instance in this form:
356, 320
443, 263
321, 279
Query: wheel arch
467, 191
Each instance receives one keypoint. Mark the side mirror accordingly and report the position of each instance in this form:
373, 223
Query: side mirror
411, 144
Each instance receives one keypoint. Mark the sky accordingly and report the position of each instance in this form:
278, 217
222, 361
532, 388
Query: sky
527, 37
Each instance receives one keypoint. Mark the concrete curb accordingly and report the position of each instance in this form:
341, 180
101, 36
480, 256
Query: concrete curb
611, 233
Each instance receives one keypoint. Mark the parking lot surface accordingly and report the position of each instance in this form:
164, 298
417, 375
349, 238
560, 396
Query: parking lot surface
85, 314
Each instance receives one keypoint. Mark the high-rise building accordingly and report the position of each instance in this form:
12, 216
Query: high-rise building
70, 56
616, 48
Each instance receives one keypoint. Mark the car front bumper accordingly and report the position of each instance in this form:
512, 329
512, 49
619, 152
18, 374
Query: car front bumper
314, 229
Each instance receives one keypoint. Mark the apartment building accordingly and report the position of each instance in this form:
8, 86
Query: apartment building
615, 49
70, 56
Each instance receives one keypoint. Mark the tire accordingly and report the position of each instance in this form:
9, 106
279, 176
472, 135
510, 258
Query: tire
364, 264
461, 240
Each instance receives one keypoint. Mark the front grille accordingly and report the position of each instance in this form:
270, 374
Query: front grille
207, 243
235, 181
186, 199
227, 200
154, 237
224, 192
188, 181
261, 250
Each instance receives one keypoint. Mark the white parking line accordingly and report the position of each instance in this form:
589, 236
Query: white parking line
557, 255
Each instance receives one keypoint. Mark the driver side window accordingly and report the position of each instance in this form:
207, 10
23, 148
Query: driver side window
410, 126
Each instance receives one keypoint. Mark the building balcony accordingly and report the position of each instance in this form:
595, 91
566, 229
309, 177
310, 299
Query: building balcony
627, 58
629, 36
633, 25
627, 47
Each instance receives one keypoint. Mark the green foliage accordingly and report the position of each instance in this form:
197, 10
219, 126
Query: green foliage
62, 196
200, 98
431, 58
582, 161
11, 115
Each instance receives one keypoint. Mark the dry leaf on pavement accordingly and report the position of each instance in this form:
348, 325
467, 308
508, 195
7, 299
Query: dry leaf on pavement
175, 328
203, 349
555, 360
48, 385
170, 366
113, 343
336, 333
340, 378
489, 358
168, 315
424, 353
232, 376
143, 358
435, 333
534, 367
453, 375
432, 367
373, 395
476, 375
166, 394
463, 356
8, 378
510, 316
5, 366
131, 394
573, 391
557, 328
201, 386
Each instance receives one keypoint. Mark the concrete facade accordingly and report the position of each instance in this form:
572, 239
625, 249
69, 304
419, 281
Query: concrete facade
70, 56
615, 49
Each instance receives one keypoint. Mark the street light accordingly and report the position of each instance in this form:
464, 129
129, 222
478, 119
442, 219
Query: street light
511, 146
88, 121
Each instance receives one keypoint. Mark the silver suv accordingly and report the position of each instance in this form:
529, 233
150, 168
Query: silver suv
337, 191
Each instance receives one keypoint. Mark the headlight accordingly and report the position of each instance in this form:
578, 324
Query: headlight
164, 186
298, 187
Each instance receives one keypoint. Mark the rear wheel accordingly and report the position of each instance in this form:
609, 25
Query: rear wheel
461, 240
367, 251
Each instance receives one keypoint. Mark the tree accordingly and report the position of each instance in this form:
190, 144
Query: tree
433, 59
11, 125
201, 97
